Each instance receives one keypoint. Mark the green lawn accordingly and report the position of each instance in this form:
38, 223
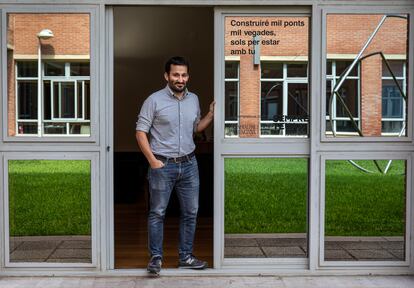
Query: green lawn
53, 197
270, 196
50, 197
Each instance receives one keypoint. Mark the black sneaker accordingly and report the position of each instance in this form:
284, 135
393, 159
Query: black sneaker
154, 265
191, 262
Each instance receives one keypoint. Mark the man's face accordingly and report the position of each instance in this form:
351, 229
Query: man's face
177, 78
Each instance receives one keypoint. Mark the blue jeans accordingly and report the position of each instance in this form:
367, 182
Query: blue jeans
184, 177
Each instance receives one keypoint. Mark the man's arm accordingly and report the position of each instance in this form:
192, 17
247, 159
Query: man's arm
205, 122
143, 144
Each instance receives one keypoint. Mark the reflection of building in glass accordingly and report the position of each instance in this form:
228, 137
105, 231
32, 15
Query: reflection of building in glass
273, 96
65, 75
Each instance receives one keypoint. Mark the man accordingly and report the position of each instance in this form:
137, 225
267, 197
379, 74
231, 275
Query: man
170, 116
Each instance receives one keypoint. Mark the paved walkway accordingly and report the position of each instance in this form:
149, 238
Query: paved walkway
77, 249
295, 245
211, 282
69, 249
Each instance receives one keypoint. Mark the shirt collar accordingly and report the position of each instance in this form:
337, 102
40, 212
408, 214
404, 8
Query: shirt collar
171, 92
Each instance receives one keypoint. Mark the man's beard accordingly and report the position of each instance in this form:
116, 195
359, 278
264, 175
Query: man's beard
175, 89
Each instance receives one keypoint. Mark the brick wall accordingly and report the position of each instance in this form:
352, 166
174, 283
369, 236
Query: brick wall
371, 100
71, 34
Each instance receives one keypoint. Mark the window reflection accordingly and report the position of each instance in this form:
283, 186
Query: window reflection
365, 102
265, 208
50, 211
365, 210
63, 105
273, 86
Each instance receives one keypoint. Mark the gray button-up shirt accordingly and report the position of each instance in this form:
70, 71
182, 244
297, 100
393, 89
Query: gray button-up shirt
170, 122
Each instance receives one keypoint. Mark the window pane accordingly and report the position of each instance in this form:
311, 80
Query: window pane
27, 127
79, 69
265, 208
297, 70
27, 99
272, 70
65, 57
396, 68
349, 94
27, 69
54, 69
392, 100
365, 211
232, 101
232, 70
68, 100
50, 211
265, 109
360, 94
342, 66
55, 128
272, 100
47, 105
87, 100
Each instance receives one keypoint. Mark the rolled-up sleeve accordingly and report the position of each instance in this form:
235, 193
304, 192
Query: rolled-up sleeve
146, 116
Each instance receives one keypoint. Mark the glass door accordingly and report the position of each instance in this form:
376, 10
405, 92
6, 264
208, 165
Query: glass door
262, 138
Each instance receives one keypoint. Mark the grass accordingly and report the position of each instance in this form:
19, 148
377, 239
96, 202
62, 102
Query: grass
270, 196
262, 195
49, 197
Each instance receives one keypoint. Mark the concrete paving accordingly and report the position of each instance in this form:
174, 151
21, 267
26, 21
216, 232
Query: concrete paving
64, 249
77, 249
295, 246
210, 282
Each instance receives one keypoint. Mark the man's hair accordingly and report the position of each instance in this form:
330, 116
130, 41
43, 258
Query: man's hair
176, 60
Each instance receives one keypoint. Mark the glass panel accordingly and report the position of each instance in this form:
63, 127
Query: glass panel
396, 68
68, 100
272, 70
349, 94
79, 69
55, 69
87, 100
64, 45
265, 208
27, 69
50, 211
47, 101
297, 70
79, 128
27, 99
365, 81
27, 127
232, 70
341, 66
232, 100
392, 100
80, 99
272, 100
263, 108
55, 128
365, 210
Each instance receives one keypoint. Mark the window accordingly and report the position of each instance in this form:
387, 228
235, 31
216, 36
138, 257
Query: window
284, 99
232, 99
393, 103
65, 97
339, 121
